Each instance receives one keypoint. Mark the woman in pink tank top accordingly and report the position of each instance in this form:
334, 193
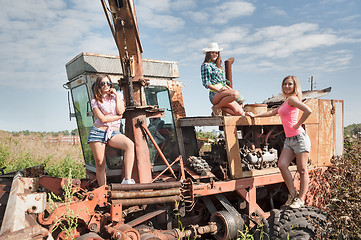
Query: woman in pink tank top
297, 143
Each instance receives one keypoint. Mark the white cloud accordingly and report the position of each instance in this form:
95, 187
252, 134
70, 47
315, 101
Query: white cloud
154, 5
277, 11
231, 34
282, 42
149, 16
226, 11
182, 5
198, 17
38, 39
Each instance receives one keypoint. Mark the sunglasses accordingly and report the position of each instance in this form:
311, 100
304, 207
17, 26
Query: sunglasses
107, 83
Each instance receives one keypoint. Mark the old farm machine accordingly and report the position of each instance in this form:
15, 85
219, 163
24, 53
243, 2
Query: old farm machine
181, 192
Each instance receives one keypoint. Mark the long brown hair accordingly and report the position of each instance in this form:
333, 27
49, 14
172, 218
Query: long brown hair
97, 89
297, 91
208, 59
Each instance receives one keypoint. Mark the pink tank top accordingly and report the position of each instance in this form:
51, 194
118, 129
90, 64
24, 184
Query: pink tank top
289, 118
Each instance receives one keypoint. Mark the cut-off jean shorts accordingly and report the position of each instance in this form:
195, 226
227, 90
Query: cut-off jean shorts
299, 143
98, 135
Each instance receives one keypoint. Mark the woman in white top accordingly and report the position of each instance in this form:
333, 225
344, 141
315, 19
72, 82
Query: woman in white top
108, 108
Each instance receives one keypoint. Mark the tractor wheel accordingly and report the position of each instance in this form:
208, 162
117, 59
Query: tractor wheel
303, 223
90, 236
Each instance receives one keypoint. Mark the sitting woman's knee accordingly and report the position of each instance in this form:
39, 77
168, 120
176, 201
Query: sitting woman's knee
235, 95
129, 145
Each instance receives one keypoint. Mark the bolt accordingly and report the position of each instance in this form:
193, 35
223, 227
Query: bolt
91, 196
93, 227
117, 235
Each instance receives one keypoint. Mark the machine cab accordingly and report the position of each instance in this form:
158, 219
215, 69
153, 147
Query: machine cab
82, 72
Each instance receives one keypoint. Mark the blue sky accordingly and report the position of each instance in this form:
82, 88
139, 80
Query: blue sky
269, 40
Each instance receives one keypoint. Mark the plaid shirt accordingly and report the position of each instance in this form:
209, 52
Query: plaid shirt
211, 74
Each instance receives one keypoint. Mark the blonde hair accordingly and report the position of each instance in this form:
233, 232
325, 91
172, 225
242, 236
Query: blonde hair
297, 91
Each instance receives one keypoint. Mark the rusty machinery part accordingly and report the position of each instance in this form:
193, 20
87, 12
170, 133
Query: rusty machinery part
251, 157
145, 186
90, 236
303, 223
174, 234
161, 192
144, 194
123, 231
31, 232
90, 201
146, 201
55, 184
227, 225
199, 165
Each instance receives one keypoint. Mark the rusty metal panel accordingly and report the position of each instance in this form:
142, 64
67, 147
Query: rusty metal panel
326, 136
158, 68
21, 202
110, 64
232, 147
312, 132
313, 104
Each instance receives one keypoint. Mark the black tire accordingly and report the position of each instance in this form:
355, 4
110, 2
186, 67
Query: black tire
90, 236
303, 223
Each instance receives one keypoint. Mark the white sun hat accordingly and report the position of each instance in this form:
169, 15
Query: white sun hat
212, 47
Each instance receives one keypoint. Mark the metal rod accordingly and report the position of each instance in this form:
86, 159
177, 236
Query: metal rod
145, 217
146, 201
228, 68
145, 186
158, 149
145, 194
160, 174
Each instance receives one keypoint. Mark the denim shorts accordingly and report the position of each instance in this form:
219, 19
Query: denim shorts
211, 96
299, 143
98, 135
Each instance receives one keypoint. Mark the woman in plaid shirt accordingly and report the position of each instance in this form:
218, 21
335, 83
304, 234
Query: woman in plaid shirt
223, 97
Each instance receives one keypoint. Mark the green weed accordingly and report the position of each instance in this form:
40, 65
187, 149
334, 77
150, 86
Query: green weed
4, 153
63, 168
68, 222
247, 234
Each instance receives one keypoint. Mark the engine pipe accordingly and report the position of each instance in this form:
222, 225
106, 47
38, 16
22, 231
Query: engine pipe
145, 194
145, 186
146, 201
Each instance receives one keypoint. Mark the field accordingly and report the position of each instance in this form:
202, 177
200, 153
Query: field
21, 150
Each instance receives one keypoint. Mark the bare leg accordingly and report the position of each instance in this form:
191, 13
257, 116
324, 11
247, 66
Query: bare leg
98, 150
233, 108
220, 99
226, 100
302, 160
120, 141
287, 155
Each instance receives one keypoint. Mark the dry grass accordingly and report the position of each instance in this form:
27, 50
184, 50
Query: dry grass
16, 149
